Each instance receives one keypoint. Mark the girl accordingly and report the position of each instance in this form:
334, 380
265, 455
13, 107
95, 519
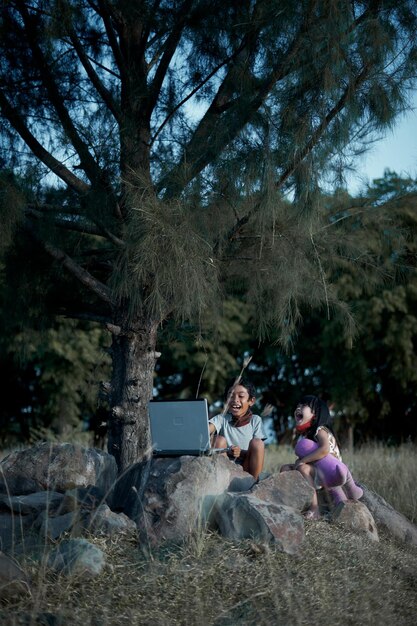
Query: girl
238, 430
312, 420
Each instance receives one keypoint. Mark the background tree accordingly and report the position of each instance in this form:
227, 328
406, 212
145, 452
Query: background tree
171, 131
370, 382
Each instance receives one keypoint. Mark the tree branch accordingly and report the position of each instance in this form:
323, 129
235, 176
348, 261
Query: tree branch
192, 93
323, 126
38, 150
107, 12
197, 155
77, 223
76, 270
89, 317
88, 163
170, 47
93, 76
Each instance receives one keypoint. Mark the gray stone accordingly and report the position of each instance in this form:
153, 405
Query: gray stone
77, 557
289, 488
54, 527
170, 497
56, 467
387, 518
87, 498
104, 521
32, 503
355, 516
244, 516
14, 529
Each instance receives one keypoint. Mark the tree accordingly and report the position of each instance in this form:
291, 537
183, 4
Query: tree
170, 132
371, 382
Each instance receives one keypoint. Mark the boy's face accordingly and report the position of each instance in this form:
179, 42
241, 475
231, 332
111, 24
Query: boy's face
303, 415
239, 401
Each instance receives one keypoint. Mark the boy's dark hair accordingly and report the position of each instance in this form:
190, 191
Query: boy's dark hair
244, 382
321, 412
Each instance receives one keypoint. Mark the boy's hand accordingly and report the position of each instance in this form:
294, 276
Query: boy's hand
235, 452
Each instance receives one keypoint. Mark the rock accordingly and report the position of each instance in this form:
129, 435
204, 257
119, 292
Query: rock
244, 516
56, 467
355, 516
32, 503
77, 557
13, 580
289, 488
387, 518
169, 497
104, 521
87, 498
14, 530
54, 527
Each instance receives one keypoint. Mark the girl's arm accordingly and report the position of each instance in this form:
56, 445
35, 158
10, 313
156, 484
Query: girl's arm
320, 452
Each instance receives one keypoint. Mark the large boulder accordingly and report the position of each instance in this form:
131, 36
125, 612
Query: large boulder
244, 516
288, 488
355, 516
388, 519
56, 467
169, 497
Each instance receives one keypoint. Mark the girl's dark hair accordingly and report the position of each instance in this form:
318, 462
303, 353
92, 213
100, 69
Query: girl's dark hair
244, 382
321, 412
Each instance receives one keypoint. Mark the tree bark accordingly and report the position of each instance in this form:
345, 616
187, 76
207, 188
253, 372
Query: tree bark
134, 357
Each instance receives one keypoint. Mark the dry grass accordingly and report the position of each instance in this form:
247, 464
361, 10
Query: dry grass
338, 579
390, 471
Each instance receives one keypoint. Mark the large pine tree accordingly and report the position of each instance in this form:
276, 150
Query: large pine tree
171, 131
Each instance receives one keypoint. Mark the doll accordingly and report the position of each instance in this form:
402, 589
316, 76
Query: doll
332, 473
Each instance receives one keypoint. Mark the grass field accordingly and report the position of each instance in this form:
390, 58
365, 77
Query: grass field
339, 578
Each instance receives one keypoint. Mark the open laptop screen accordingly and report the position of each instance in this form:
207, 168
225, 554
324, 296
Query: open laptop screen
179, 427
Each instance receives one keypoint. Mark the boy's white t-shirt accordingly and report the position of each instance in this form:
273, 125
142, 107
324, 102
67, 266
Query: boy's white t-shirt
238, 435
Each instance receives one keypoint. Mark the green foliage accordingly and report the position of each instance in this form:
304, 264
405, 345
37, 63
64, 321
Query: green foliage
200, 362
51, 380
167, 267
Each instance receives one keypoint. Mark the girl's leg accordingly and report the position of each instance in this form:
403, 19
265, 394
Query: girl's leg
307, 470
254, 458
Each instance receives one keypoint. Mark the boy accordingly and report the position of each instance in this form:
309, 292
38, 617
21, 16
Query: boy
240, 431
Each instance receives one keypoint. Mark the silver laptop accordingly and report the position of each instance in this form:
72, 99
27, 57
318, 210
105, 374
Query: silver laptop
179, 427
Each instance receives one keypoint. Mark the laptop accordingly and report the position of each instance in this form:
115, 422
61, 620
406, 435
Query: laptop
179, 427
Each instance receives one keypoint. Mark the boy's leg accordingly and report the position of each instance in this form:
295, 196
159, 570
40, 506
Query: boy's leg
219, 442
307, 470
254, 458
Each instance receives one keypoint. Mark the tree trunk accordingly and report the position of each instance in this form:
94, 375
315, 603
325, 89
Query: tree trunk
134, 357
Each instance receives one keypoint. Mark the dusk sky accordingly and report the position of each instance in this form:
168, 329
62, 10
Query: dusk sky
397, 151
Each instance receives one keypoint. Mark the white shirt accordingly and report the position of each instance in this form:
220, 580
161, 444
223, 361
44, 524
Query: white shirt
238, 435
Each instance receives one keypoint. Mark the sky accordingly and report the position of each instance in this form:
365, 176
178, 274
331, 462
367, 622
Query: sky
397, 151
